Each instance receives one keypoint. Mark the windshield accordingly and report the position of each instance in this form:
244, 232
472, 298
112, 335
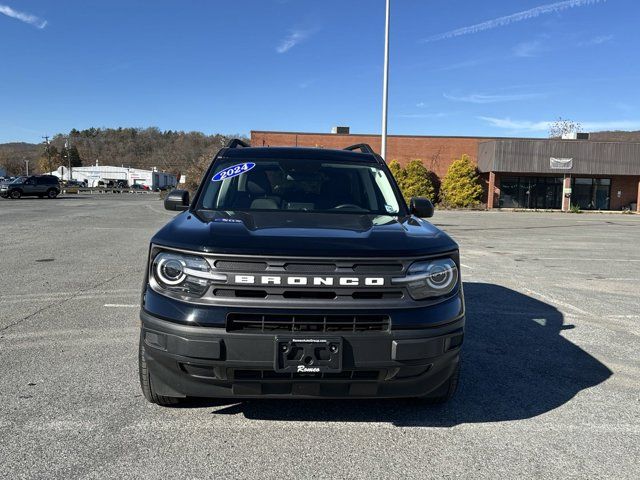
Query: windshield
299, 185
19, 180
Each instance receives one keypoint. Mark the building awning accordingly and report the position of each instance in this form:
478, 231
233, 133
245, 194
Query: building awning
576, 157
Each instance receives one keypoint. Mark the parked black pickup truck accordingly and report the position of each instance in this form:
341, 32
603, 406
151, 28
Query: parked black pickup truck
300, 272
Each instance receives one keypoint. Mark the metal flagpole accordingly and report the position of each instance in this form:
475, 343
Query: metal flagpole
385, 83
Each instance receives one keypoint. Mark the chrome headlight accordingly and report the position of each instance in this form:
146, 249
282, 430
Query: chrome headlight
186, 274
433, 278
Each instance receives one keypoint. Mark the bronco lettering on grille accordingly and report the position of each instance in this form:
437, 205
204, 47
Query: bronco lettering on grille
309, 281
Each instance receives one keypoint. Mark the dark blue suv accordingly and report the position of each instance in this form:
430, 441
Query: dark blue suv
300, 272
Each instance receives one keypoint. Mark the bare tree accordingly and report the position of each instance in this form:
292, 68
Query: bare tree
562, 126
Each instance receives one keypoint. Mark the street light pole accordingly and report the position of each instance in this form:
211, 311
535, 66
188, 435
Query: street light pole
385, 83
69, 172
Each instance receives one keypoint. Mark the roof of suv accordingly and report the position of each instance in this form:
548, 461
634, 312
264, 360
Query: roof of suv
298, 152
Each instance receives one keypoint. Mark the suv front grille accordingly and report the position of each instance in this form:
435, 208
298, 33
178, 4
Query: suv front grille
255, 322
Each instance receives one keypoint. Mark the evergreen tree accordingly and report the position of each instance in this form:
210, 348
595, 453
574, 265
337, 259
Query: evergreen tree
461, 186
418, 181
74, 156
399, 173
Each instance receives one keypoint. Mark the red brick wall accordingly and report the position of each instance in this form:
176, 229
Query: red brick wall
436, 153
628, 186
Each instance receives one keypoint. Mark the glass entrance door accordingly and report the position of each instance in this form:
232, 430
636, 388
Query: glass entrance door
591, 193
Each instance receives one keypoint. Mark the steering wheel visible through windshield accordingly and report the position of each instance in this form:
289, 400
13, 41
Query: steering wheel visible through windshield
299, 185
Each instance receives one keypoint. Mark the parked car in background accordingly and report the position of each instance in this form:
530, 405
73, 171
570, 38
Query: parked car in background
32, 186
73, 184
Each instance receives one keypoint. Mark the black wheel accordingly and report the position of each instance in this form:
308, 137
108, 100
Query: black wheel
52, 193
446, 391
146, 383
15, 194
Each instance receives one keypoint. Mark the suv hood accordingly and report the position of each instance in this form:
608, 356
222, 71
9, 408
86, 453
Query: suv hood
303, 234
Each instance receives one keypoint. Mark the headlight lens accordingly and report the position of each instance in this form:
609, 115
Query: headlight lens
186, 274
430, 278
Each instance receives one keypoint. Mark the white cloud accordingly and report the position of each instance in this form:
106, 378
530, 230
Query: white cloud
465, 64
421, 104
423, 115
527, 49
515, 17
517, 125
482, 98
542, 126
23, 17
293, 39
599, 40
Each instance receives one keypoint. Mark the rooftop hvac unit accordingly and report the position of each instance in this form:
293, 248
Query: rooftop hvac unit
340, 130
575, 136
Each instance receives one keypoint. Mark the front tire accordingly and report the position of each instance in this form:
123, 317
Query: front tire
147, 385
15, 194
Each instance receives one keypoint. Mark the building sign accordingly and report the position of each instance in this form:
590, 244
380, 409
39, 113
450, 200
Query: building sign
561, 163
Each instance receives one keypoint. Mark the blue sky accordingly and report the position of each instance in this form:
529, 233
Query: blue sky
458, 67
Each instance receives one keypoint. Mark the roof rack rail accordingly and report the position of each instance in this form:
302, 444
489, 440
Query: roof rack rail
363, 147
236, 142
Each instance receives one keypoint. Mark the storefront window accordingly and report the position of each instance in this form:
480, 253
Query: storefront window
531, 192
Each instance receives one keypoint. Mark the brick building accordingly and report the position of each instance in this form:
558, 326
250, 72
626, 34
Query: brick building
436, 153
518, 172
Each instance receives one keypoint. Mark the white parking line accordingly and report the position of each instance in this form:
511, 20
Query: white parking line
163, 212
119, 305
588, 259
556, 301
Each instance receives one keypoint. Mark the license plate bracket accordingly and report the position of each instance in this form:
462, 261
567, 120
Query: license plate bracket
308, 355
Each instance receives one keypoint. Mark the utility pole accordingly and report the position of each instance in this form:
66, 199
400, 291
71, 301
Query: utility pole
66, 146
46, 140
385, 83
27, 163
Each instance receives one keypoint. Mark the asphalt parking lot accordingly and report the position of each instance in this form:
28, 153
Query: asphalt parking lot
550, 387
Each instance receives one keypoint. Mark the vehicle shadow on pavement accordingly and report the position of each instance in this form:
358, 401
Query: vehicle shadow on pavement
516, 365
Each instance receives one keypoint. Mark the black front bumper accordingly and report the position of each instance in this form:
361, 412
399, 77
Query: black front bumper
194, 361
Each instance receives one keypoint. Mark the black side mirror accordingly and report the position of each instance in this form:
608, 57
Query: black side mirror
421, 207
177, 200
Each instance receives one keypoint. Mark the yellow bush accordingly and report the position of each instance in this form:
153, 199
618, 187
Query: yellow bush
415, 180
461, 186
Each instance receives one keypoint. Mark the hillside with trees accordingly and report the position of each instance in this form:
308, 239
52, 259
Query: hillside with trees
171, 151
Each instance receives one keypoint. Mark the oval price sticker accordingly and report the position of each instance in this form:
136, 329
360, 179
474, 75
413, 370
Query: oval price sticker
232, 171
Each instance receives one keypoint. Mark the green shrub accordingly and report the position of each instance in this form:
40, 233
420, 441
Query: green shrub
461, 185
415, 180
398, 172
418, 181
575, 209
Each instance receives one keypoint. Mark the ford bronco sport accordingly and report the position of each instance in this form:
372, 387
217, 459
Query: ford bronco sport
300, 272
